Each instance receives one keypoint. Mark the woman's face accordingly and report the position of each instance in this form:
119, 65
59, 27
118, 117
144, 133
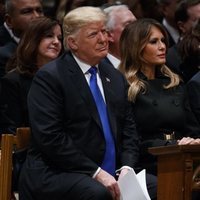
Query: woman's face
50, 46
154, 52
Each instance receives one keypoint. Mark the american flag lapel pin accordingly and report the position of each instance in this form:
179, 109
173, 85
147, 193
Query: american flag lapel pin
107, 79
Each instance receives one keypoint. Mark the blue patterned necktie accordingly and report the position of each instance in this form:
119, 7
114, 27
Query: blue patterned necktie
109, 156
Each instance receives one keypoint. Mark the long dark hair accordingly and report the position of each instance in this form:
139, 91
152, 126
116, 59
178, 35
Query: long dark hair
25, 58
137, 34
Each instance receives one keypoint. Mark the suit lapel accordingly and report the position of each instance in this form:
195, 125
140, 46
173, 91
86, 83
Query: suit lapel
107, 82
82, 86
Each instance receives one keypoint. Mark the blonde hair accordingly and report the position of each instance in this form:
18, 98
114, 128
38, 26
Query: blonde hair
79, 18
133, 40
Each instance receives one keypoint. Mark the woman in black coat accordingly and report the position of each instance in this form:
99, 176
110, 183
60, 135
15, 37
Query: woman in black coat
41, 43
161, 108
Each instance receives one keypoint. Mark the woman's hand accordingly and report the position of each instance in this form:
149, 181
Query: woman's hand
188, 140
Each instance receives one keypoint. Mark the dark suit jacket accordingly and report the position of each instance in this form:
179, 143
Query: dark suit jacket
171, 41
173, 59
194, 94
66, 129
6, 52
107, 61
4, 36
13, 100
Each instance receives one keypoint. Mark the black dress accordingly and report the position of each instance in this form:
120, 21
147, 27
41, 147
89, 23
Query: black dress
160, 111
13, 102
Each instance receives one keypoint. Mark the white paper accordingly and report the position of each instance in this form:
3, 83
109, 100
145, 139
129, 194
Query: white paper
133, 187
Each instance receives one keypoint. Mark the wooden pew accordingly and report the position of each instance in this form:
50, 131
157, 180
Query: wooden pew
9, 144
178, 171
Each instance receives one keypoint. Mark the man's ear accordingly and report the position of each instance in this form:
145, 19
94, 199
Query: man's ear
164, 9
181, 26
110, 36
71, 41
8, 20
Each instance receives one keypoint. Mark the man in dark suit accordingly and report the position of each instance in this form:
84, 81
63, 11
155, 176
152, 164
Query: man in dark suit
186, 17
4, 36
167, 8
193, 87
18, 14
6, 52
194, 94
68, 147
118, 16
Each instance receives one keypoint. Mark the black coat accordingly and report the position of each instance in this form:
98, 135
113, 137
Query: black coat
13, 101
160, 111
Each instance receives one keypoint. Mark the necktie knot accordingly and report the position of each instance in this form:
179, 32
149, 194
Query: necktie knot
93, 70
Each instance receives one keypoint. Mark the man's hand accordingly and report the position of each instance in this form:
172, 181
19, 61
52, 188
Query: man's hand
109, 182
123, 172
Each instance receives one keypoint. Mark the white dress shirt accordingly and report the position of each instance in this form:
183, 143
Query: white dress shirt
115, 61
173, 32
11, 33
85, 67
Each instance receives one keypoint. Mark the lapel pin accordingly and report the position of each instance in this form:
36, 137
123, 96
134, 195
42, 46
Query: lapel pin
107, 79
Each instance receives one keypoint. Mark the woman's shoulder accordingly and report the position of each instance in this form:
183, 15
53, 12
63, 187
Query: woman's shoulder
12, 75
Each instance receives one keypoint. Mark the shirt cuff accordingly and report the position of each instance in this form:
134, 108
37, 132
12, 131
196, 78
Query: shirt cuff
95, 174
123, 167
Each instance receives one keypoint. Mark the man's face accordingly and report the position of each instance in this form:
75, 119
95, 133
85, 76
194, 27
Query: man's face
122, 19
91, 43
24, 11
169, 10
194, 16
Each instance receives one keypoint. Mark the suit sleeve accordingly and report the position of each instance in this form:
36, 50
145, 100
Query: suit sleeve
192, 127
193, 88
46, 113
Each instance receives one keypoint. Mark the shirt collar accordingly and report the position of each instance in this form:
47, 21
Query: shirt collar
173, 32
84, 67
158, 75
16, 39
115, 61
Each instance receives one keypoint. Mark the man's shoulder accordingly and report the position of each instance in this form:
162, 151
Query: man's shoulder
195, 78
8, 49
4, 36
107, 61
57, 65
109, 71
108, 67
